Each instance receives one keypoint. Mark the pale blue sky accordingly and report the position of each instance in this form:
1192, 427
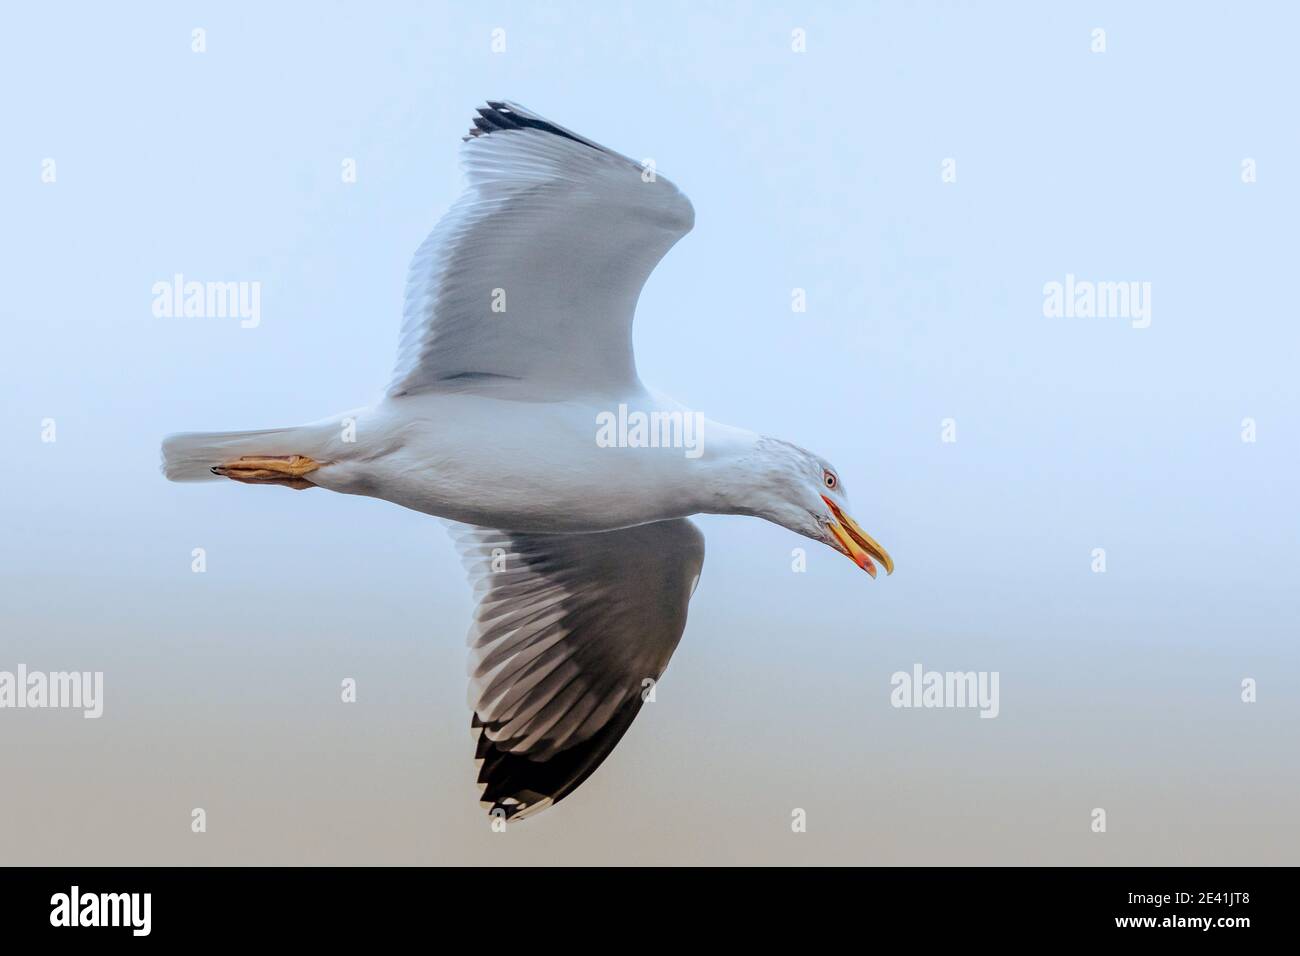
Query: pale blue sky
818, 170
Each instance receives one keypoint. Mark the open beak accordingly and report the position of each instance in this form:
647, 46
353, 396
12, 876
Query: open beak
856, 543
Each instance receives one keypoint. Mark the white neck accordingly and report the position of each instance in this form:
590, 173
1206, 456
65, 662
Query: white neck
733, 471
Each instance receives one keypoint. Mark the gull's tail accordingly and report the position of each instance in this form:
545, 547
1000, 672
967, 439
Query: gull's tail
191, 456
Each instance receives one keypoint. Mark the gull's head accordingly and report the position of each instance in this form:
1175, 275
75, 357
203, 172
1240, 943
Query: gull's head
803, 492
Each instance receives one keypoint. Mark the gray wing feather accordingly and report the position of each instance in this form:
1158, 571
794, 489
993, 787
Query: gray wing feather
568, 629
530, 281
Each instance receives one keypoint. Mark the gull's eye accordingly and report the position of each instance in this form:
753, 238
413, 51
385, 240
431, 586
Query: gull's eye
829, 479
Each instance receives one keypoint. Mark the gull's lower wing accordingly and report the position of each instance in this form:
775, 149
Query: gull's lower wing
569, 630
530, 281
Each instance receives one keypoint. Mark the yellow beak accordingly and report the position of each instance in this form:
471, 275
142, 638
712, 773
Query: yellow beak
857, 544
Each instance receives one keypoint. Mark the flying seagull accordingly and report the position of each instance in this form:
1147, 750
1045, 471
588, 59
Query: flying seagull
515, 412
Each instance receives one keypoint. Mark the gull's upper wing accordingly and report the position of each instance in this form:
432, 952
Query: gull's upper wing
568, 631
529, 282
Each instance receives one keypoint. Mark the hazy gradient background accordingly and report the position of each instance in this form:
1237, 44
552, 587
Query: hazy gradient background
821, 171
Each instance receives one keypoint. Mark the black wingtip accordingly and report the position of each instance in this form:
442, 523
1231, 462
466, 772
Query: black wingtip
502, 115
511, 783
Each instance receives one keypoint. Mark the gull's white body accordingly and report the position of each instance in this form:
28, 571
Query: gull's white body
527, 466
516, 337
